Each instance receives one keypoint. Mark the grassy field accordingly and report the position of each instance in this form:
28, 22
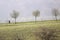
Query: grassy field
24, 30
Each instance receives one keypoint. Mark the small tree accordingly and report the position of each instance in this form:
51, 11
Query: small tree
55, 13
36, 14
15, 15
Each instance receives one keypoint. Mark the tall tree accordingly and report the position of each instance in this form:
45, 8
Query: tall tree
55, 13
36, 13
15, 15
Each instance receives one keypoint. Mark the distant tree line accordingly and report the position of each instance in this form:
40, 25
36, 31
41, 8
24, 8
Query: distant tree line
15, 14
36, 13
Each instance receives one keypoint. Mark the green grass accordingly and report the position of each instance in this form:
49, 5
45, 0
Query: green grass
24, 30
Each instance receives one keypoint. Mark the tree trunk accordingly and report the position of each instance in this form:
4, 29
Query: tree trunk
35, 19
15, 20
56, 18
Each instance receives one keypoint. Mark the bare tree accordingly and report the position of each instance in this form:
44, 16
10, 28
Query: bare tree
36, 13
55, 13
15, 15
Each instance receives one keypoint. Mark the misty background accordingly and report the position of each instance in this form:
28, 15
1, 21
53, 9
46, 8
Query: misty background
26, 7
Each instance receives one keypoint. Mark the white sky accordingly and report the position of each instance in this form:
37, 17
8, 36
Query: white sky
26, 7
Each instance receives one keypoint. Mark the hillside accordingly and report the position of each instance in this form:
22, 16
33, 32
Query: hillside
25, 30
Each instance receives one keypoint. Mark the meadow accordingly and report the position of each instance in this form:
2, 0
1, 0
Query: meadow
25, 30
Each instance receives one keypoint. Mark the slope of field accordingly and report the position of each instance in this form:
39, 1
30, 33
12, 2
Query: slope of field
24, 30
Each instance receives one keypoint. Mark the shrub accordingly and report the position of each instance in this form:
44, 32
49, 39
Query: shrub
46, 34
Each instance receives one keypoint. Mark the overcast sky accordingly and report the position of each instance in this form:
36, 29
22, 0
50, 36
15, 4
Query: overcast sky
26, 7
